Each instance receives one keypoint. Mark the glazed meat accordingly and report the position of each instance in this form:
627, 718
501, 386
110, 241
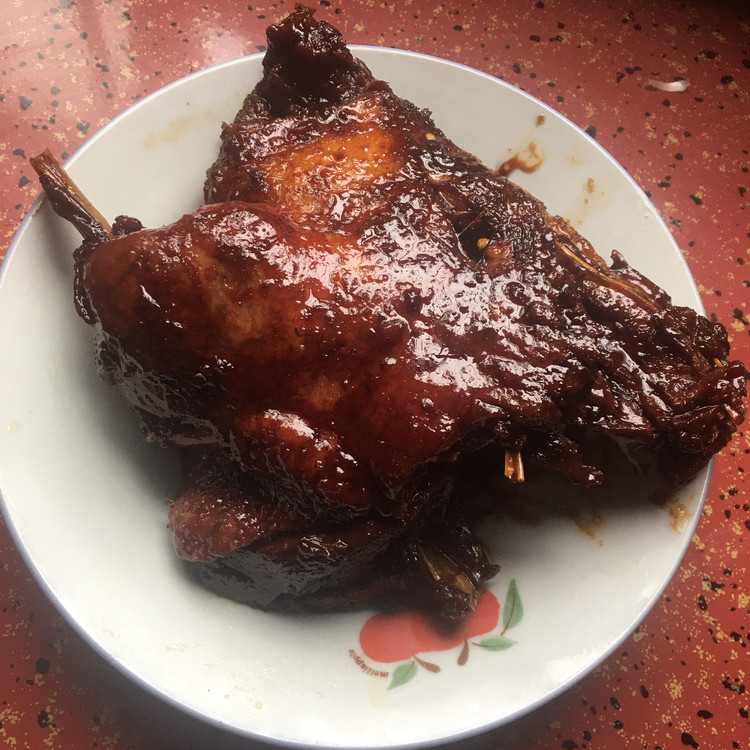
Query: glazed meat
358, 307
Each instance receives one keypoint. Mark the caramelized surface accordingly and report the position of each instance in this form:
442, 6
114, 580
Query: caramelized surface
359, 305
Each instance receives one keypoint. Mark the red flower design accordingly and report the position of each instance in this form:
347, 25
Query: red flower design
398, 636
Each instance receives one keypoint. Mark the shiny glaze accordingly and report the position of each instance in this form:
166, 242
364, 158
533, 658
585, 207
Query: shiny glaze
360, 304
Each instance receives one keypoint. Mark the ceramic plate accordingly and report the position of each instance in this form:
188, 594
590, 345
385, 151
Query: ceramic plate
84, 495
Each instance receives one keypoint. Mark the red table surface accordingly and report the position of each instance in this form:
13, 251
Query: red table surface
67, 67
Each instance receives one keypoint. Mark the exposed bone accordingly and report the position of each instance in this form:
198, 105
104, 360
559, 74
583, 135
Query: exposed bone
514, 470
444, 570
68, 199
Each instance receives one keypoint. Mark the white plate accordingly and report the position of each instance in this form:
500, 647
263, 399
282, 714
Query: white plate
84, 495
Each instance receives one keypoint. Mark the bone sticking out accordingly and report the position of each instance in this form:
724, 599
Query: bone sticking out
445, 571
67, 199
514, 466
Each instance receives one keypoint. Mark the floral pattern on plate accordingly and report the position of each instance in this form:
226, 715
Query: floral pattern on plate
401, 637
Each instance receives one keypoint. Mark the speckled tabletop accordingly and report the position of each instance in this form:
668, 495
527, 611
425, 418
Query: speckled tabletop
67, 67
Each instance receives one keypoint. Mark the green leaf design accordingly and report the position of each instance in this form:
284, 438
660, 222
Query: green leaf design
402, 674
513, 609
496, 643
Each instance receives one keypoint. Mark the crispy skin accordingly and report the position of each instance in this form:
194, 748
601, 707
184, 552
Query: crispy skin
503, 303
359, 305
